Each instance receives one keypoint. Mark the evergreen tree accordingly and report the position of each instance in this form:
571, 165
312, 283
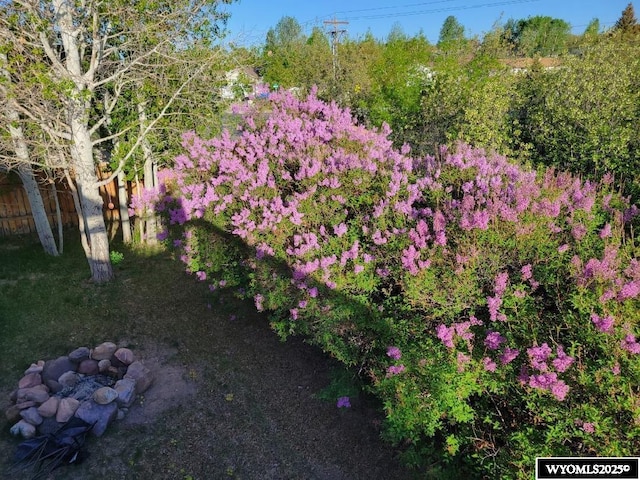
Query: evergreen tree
593, 29
283, 50
452, 31
628, 22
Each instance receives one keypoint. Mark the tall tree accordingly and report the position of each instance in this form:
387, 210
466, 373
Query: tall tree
21, 160
541, 36
451, 32
627, 23
495, 42
88, 51
283, 50
399, 74
288, 31
316, 66
593, 29
199, 108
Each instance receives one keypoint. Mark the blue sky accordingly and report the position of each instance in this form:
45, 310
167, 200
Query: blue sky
251, 19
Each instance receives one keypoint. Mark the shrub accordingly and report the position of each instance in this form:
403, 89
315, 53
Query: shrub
116, 257
583, 116
493, 309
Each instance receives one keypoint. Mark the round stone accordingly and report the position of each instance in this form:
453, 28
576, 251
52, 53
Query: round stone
88, 367
125, 356
105, 395
30, 380
24, 429
141, 374
100, 416
126, 389
49, 408
66, 409
104, 365
31, 415
38, 394
35, 367
54, 368
68, 379
79, 354
13, 414
104, 351
54, 386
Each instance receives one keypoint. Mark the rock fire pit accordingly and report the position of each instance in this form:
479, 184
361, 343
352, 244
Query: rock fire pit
96, 385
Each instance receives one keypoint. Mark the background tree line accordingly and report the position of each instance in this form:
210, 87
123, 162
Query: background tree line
528, 88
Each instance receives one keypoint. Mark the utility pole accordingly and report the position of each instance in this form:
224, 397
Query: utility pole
335, 40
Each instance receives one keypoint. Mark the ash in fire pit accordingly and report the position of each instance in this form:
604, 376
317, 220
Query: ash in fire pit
95, 385
84, 388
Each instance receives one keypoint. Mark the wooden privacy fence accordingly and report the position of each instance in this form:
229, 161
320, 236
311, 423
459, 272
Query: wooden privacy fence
15, 210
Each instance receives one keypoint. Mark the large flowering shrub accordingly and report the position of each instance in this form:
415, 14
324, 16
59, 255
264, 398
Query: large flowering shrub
493, 308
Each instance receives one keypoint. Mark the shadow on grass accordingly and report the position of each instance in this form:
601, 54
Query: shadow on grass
245, 406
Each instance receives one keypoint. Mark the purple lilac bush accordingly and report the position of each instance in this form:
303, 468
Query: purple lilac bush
493, 308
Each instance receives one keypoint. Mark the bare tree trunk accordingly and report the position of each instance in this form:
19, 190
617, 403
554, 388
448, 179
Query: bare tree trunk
150, 181
82, 224
141, 218
54, 193
43, 227
90, 201
123, 201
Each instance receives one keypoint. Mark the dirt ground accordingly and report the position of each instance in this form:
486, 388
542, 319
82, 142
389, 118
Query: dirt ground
229, 400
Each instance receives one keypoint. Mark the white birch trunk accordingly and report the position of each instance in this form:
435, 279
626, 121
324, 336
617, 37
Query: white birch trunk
54, 193
82, 224
90, 201
123, 201
43, 227
150, 182
140, 221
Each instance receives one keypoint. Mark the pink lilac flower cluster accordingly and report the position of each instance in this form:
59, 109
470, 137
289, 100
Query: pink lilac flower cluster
604, 324
395, 370
527, 276
543, 377
462, 359
447, 335
607, 273
495, 302
588, 427
145, 201
630, 344
394, 353
493, 340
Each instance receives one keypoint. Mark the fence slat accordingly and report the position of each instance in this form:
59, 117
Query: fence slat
15, 209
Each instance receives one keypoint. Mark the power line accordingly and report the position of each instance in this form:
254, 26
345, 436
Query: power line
440, 10
397, 6
398, 13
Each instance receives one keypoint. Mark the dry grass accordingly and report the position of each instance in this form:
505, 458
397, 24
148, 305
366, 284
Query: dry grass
235, 402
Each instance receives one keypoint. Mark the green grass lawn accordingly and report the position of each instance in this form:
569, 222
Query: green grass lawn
230, 400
